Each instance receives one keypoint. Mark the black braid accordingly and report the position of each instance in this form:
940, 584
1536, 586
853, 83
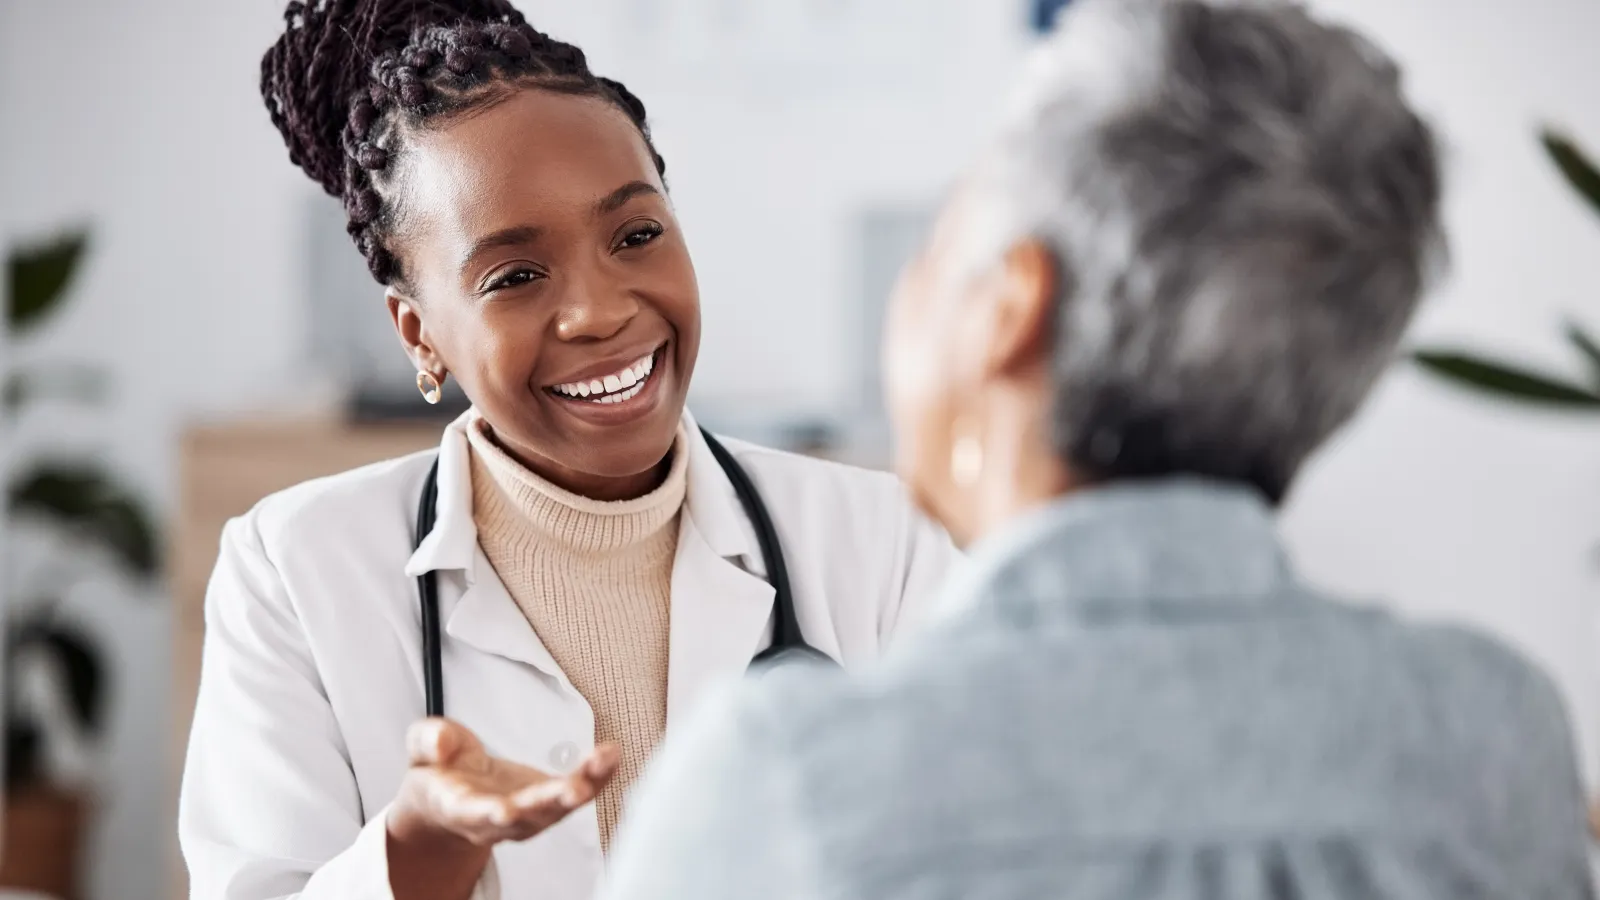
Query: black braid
348, 79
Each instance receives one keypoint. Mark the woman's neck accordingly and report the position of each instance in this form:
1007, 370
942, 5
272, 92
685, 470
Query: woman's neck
585, 484
1021, 471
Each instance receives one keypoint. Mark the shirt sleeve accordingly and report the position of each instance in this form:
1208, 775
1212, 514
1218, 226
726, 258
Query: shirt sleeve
269, 805
715, 818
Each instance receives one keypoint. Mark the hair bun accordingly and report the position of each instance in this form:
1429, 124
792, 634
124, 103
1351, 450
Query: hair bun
323, 60
460, 60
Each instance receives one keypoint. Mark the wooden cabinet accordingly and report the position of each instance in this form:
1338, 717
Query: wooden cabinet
225, 470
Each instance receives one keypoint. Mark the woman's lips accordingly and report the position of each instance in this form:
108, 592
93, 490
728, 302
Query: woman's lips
622, 403
615, 387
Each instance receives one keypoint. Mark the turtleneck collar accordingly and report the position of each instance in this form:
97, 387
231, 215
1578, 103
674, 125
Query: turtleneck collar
558, 517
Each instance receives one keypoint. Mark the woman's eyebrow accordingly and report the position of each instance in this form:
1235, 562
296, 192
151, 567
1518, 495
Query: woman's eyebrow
516, 235
615, 200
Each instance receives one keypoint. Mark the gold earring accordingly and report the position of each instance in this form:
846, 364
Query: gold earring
966, 459
429, 385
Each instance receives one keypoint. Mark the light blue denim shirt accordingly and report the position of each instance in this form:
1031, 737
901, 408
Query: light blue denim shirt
1129, 695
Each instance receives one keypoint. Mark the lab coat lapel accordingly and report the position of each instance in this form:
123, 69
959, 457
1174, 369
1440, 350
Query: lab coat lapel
720, 615
721, 602
488, 619
474, 606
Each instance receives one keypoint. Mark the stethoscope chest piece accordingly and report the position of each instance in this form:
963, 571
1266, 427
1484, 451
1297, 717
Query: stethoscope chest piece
781, 657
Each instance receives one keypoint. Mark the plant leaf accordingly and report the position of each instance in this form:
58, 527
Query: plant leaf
67, 382
37, 277
1506, 382
85, 502
1586, 345
23, 743
1579, 171
79, 660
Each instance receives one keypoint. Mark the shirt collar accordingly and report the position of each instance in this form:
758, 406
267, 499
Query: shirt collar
1165, 540
452, 544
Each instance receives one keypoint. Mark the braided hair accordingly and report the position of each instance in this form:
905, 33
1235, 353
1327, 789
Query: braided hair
349, 80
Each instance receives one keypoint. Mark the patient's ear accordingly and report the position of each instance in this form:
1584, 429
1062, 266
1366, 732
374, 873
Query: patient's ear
1021, 310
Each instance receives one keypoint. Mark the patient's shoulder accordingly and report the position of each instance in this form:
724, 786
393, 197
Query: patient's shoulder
1488, 678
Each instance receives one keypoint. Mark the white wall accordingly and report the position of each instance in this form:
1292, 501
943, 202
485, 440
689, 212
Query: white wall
1449, 504
144, 118
141, 118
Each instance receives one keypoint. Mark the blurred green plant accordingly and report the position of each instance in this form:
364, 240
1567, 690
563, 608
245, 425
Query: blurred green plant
102, 520
1514, 382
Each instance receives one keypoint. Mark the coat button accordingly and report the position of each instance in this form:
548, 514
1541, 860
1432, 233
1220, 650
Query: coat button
563, 756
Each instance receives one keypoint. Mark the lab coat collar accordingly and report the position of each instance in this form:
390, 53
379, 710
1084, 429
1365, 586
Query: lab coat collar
714, 505
721, 603
453, 543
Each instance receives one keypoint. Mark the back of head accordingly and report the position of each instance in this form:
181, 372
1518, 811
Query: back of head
1244, 212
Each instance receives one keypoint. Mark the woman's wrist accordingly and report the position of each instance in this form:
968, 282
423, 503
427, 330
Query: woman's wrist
427, 861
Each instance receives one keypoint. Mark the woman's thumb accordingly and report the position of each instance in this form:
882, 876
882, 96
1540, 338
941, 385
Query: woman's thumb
438, 742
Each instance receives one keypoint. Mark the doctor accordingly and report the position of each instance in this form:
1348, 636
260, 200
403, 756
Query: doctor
591, 563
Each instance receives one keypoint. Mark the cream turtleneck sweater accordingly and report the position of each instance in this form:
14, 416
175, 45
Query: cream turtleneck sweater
594, 579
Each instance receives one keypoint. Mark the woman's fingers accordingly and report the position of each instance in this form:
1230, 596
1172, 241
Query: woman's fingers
539, 806
521, 817
602, 763
422, 742
497, 800
570, 791
441, 742
593, 775
464, 802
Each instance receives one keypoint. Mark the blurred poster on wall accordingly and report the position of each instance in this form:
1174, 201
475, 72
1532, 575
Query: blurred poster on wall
889, 236
1042, 14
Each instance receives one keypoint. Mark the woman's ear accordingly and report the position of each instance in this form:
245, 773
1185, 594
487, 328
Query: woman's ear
413, 334
1022, 309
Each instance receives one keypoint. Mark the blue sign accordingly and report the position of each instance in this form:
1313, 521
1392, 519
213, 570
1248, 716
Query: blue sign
1044, 13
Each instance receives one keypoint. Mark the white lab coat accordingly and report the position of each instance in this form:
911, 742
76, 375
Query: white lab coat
312, 667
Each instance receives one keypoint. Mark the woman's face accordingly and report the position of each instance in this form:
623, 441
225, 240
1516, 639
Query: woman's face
966, 359
927, 366
551, 280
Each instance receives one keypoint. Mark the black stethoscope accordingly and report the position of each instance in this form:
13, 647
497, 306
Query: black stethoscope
788, 644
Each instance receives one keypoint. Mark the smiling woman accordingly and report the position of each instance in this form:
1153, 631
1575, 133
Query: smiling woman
593, 568
532, 245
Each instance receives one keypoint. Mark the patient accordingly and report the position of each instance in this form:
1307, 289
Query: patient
1177, 271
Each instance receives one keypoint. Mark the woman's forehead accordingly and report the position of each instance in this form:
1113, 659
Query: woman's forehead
536, 151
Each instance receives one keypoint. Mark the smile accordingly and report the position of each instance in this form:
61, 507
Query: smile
618, 387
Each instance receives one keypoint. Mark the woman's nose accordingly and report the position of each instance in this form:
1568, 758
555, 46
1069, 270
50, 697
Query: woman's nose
594, 315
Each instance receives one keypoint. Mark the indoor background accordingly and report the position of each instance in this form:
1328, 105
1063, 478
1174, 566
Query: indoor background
806, 142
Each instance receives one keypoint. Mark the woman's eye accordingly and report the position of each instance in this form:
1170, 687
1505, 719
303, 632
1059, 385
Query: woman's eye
513, 278
638, 237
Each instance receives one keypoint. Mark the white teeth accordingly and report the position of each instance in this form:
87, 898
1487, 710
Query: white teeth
628, 394
616, 388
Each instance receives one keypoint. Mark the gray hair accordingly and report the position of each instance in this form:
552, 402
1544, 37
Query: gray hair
1244, 214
